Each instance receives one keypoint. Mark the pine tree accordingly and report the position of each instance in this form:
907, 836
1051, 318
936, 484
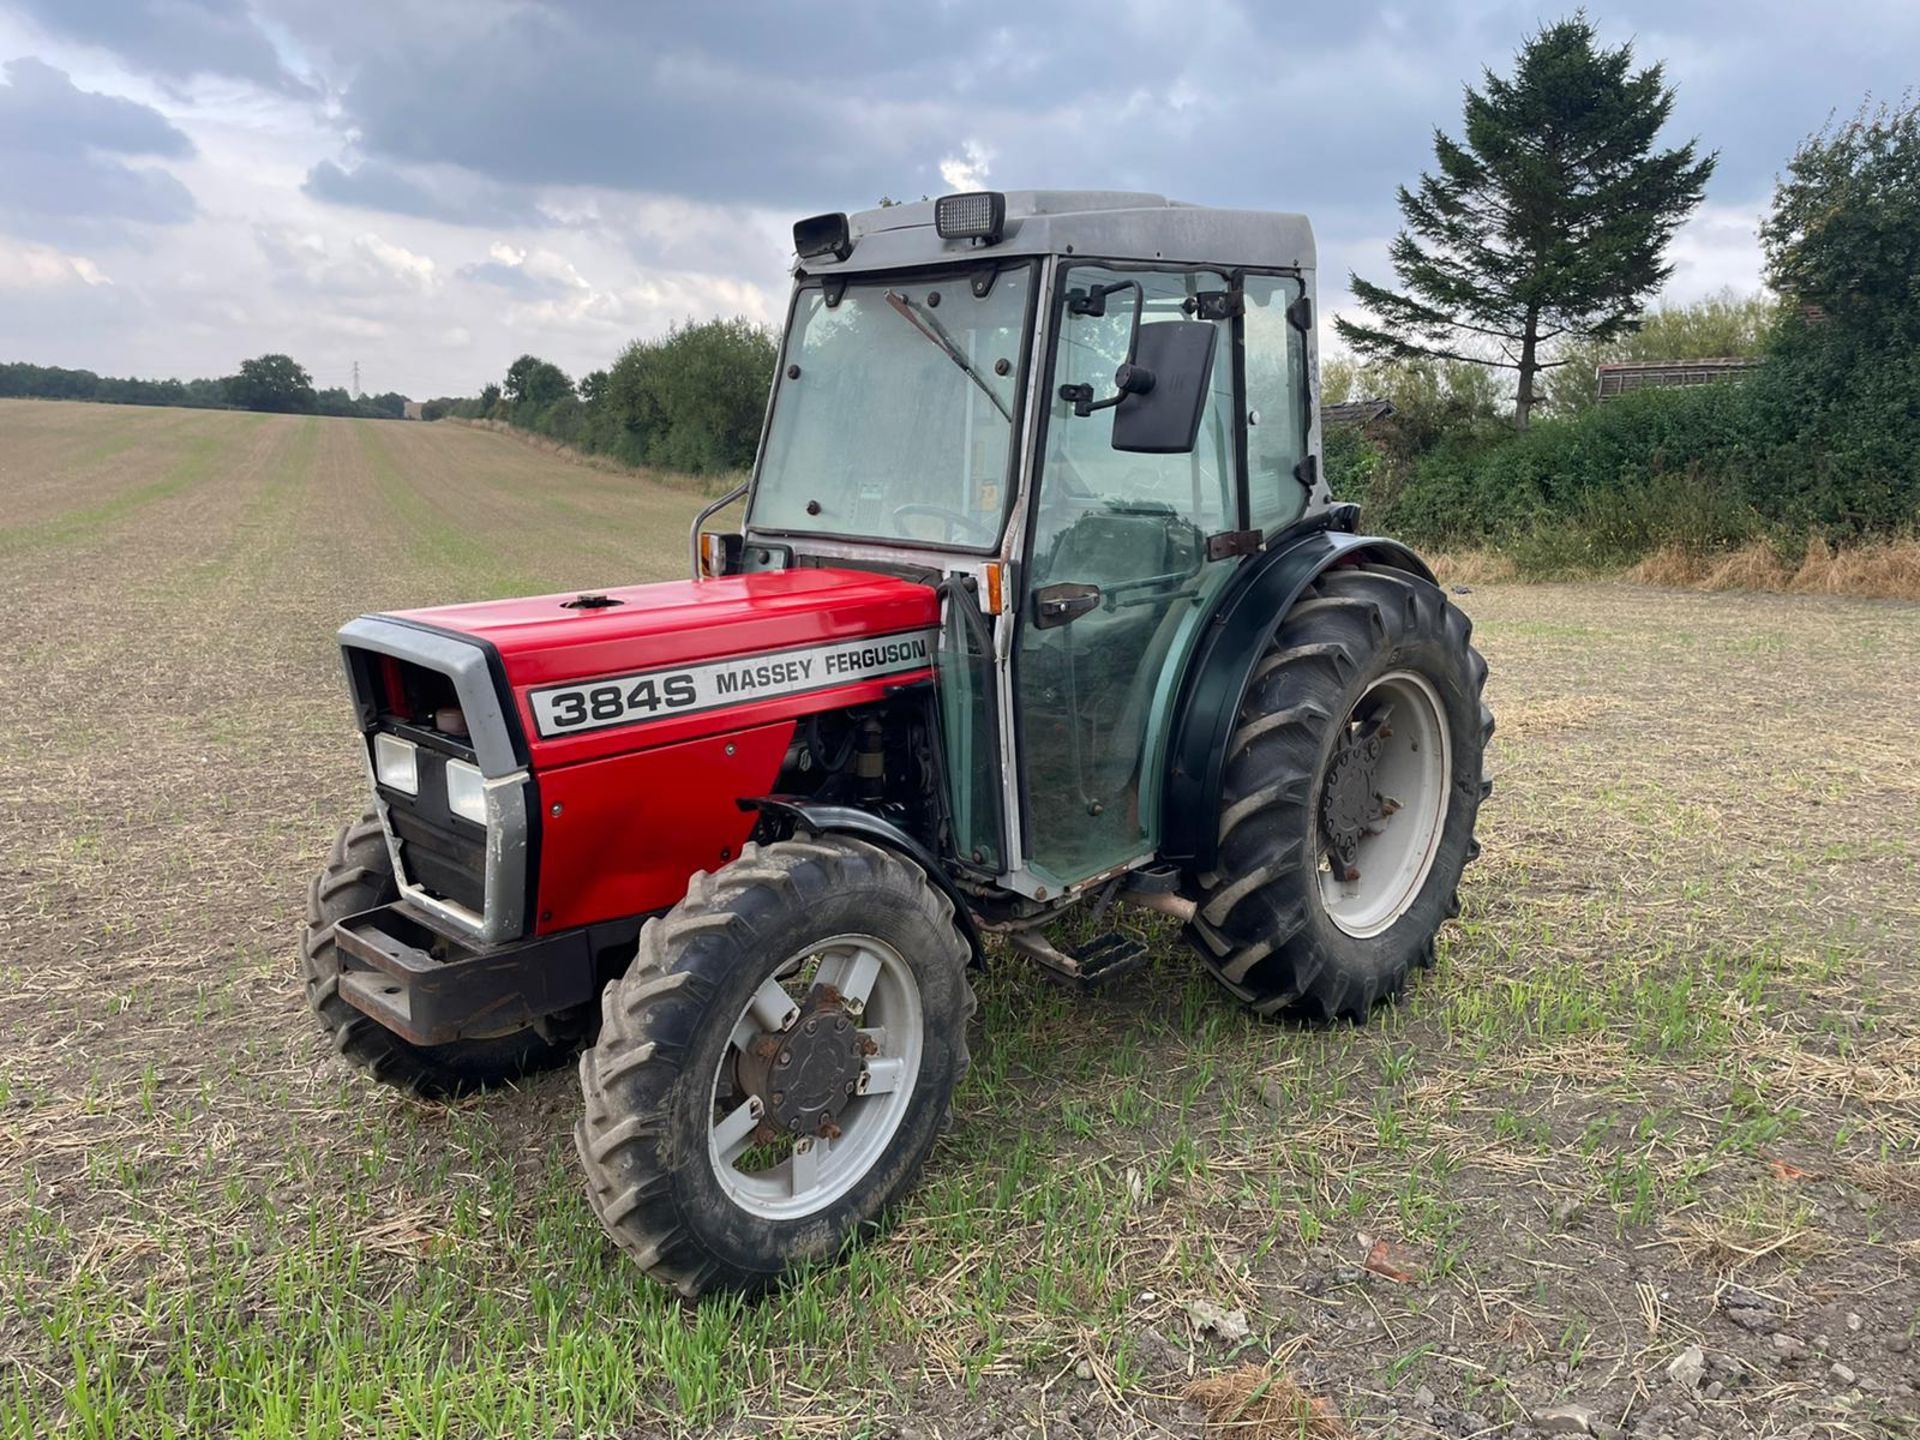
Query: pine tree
1549, 223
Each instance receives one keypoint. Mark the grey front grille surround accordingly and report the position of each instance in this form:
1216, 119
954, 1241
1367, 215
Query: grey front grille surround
465, 663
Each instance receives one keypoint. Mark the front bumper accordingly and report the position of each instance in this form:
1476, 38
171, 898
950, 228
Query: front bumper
432, 989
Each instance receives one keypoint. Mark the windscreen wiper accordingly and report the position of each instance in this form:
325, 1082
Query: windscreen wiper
930, 328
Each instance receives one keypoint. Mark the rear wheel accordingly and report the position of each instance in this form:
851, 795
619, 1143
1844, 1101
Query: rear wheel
774, 1068
359, 876
1349, 797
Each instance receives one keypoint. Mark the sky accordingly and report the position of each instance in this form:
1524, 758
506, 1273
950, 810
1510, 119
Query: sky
432, 187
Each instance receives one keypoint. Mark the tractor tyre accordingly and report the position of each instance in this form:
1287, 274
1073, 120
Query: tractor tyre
773, 1070
1352, 783
359, 876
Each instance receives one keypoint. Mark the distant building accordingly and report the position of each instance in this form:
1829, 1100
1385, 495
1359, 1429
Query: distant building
1361, 413
416, 410
1618, 378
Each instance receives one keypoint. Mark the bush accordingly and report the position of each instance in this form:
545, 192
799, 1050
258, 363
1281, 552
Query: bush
1653, 468
1836, 411
692, 400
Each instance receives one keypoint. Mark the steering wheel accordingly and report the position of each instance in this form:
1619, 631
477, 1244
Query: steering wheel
959, 526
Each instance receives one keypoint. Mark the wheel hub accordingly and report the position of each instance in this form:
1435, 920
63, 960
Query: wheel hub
1350, 805
806, 1074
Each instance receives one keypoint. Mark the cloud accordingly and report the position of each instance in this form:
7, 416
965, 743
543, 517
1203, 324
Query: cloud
42, 103
546, 290
1716, 250
367, 266
173, 39
443, 193
64, 156
416, 270
25, 266
708, 103
969, 169
434, 186
528, 275
736, 102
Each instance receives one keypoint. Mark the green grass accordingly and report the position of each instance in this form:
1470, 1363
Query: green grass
197, 455
438, 538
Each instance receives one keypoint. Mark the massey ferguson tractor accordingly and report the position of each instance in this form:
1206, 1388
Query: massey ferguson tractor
1040, 599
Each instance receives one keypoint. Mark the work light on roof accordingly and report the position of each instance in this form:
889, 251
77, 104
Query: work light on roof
976, 215
823, 235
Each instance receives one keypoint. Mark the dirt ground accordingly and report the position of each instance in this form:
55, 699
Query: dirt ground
1641, 1155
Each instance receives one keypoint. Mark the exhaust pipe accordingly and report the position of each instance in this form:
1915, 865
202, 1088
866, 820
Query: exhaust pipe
1177, 907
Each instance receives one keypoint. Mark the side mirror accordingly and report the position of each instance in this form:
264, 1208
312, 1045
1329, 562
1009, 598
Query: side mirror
1162, 415
1160, 390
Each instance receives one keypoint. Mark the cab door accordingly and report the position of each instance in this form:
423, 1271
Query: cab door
968, 695
1120, 575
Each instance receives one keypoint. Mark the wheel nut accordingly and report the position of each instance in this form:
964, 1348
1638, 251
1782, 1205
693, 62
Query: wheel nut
779, 1097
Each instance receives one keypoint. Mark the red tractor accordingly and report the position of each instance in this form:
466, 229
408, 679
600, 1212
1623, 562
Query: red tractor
1040, 598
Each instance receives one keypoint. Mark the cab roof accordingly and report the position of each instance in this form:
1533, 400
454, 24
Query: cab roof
1102, 224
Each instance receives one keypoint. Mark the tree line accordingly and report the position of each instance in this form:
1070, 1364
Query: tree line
691, 400
275, 383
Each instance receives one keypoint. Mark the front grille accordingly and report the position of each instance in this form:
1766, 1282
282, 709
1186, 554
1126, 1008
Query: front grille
441, 862
441, 853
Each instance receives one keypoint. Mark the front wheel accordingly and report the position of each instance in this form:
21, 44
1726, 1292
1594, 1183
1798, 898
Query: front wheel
1351, 788
774, 1068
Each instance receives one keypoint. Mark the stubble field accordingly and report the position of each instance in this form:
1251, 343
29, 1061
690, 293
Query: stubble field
1662, 1090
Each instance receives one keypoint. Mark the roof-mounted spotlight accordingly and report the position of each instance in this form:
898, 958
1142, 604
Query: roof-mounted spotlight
976, 215
820, 235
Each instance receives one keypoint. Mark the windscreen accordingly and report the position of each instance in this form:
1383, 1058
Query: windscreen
894, 413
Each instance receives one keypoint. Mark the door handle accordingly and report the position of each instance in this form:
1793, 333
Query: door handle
1062, 603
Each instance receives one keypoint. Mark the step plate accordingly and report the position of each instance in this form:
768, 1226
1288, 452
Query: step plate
1094, 962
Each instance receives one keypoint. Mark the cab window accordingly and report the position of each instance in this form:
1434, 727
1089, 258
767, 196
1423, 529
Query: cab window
1276, 368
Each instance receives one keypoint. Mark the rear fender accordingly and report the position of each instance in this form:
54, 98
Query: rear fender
792, 813
1222, 667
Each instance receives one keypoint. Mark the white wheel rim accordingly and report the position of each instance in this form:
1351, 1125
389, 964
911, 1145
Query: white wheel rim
813, 1171
1416, 770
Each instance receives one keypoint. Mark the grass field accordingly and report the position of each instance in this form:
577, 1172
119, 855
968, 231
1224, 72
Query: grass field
1662, 1089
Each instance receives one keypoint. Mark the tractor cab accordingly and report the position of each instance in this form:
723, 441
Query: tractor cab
1076, 413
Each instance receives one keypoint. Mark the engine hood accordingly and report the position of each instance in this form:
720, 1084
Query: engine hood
545, 639
694, 657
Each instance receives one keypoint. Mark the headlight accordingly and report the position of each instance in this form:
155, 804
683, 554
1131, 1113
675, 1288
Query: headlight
396, 763
466, 792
